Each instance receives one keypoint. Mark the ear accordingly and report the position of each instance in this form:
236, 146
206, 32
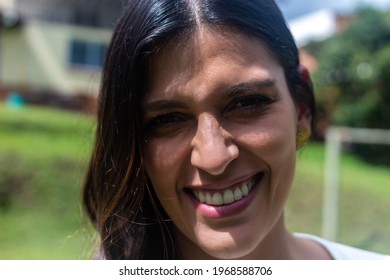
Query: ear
304, 113
305, 75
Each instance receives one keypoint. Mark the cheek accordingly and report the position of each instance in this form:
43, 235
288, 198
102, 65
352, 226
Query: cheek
163, 161
271, 141
279, 154
271, 144
166, 165
159, 154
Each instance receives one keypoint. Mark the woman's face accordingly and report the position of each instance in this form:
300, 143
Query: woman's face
220, 142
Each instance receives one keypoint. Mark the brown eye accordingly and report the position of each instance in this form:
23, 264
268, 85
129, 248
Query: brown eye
250, 104
165, 120
165, 123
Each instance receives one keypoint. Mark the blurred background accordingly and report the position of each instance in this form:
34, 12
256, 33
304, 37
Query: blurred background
51, 53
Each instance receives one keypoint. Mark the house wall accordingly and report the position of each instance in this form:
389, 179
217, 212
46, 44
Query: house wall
96, 13
15, 60
37, 55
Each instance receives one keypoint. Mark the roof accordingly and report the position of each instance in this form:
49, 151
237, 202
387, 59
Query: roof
317, 26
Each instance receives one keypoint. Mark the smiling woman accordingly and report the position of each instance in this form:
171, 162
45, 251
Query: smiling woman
202, 108
220, 154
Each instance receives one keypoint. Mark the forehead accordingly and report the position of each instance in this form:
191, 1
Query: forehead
210, 55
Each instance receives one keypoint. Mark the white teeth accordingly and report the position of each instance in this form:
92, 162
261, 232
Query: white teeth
209, 199
244, 189
227, 197
217, 199
237, 194
201, 197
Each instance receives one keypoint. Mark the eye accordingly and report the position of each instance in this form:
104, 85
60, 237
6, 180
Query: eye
165, 123
248, 105
164, 120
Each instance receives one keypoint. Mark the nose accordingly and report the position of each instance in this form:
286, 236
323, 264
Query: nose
212, 147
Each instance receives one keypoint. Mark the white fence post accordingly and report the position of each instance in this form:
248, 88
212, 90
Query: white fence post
334, 138
331, 190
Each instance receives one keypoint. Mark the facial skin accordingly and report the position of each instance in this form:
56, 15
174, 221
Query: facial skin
218, 114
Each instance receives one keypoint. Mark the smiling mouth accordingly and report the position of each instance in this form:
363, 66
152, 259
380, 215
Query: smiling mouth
229, 195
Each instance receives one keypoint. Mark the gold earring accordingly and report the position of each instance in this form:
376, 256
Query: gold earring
303, 136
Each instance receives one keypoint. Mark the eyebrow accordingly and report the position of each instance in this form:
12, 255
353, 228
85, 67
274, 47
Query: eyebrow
231, 92
161, 105
249, 86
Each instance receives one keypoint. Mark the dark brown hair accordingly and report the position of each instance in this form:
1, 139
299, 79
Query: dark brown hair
117, 195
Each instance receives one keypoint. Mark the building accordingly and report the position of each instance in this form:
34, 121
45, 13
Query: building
317, 26
54, 47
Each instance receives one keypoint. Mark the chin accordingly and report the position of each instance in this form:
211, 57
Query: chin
230, 253
229, 248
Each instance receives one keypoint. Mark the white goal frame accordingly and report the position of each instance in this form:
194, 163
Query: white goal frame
335, 137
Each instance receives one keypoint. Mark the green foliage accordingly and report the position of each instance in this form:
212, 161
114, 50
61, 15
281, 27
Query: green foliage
354, 70
352, 82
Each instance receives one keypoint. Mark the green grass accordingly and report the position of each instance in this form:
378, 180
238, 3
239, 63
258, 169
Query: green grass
363, 203
43, 156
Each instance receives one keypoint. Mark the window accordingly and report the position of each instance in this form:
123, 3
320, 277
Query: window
87, 54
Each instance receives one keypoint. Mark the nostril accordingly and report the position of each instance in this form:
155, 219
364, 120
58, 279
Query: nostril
214, 161
233, 151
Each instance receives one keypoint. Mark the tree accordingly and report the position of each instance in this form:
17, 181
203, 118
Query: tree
353, 79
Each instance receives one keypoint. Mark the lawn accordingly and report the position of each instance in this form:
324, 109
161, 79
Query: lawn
363, 203
43, 156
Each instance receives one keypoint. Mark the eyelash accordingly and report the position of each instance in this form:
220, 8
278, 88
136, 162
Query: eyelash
164, 121
255, 104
